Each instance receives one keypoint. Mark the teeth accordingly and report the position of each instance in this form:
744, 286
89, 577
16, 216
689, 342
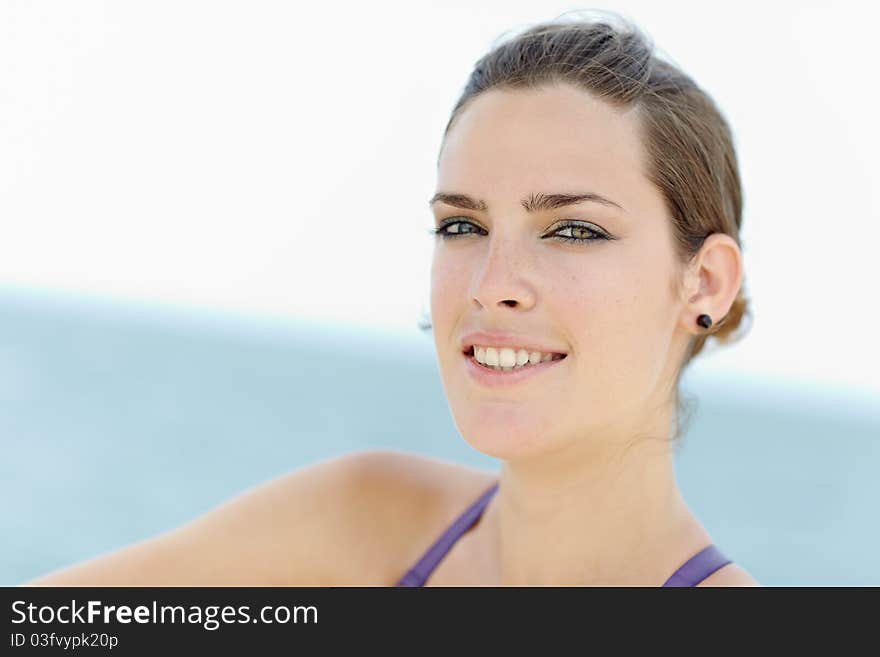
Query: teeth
506, 359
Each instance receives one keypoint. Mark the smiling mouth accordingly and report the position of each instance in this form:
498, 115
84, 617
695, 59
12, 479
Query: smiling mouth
470, 353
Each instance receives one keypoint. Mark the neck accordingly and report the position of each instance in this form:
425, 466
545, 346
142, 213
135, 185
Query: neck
586, 515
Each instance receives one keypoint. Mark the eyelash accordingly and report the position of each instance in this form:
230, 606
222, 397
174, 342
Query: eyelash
441, 231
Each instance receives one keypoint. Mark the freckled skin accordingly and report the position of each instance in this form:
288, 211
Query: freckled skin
609, 302
585, 496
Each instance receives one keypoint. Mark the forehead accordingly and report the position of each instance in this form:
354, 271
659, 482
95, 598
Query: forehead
550, 138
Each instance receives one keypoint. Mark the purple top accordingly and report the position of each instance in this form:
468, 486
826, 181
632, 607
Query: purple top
690, 573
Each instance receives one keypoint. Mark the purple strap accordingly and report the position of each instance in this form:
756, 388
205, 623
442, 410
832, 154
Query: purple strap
698, 567
418, 574
692, 572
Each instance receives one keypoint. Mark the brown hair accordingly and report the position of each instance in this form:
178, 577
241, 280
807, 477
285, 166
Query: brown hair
690, 152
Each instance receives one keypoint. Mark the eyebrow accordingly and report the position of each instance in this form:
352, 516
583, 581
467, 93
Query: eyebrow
534, 203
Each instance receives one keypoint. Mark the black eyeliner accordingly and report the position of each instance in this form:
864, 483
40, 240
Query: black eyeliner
600, 235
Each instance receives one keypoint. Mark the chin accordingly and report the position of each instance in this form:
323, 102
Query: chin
505, 442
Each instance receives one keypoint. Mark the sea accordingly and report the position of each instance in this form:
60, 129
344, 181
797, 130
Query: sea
120, 420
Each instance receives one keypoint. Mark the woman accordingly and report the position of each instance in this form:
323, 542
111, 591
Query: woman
587, 215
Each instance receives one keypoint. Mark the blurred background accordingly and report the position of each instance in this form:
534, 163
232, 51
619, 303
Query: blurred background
214, 241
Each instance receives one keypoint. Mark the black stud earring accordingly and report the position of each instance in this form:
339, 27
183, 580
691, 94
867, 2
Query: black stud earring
704, 320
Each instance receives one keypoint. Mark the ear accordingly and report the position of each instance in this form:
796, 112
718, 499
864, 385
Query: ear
713, 280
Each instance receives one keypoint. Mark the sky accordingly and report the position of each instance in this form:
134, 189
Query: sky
275, 159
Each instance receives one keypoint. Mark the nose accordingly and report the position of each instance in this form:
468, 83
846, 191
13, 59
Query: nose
502, 281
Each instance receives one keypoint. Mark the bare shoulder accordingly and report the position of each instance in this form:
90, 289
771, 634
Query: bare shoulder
413, 499
347, 520
730, 575
389, 505
434, 480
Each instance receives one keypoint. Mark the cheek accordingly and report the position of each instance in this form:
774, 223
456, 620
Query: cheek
589, 301
626, 341
443, 292
616, 317
449, 281
448, 303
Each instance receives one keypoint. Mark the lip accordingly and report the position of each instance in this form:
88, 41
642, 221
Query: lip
506, 339
501, 379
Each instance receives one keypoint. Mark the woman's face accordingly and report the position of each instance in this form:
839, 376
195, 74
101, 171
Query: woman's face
608, 304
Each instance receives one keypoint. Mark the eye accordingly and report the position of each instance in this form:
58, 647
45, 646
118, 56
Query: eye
592, 235
579, 232
445, 232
